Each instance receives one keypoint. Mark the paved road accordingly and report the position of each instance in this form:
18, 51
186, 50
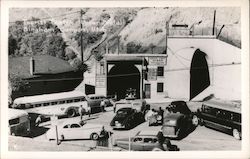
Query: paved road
201, 138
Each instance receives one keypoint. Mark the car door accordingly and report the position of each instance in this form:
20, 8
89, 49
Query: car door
137, 144
74, 132
149, 144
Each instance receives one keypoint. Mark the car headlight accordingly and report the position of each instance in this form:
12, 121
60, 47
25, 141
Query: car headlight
62, 109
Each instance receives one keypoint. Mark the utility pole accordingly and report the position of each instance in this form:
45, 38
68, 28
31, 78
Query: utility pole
167, 33
214, 22
81, 13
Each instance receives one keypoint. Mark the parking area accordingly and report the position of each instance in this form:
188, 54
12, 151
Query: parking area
201, 138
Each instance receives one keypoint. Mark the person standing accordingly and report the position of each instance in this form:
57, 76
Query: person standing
103, 105
88, 110
161, 112
81, 110
38, 120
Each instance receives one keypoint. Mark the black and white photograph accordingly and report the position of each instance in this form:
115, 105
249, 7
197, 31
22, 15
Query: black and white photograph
125, 78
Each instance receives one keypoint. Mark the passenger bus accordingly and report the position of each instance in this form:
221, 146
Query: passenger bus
223, 116
58, 104
19, 123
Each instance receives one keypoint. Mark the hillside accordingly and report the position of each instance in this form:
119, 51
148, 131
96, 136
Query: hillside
138, 29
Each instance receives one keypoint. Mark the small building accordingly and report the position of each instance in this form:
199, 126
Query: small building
43, 74
117, 73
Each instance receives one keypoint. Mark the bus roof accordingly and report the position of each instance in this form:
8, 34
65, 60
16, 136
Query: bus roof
224, 105
49, 97
15, 113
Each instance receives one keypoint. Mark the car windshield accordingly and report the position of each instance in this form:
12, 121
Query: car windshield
122, 113
171, 122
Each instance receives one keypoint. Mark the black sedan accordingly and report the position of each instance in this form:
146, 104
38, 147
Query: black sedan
127, 118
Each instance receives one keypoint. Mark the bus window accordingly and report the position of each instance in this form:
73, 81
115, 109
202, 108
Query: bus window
236, 117
53, 103
76, 100
45, 104
69, 101
62, 102
83, 99
38, 105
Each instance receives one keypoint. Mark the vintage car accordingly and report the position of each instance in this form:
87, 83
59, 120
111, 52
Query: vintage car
155, 120
179, 121
144, 141
126, 118
139, 104
69, 130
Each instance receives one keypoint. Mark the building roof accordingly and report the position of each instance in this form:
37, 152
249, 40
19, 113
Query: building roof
44, 64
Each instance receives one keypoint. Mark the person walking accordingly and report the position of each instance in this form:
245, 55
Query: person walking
38, 120
81, 110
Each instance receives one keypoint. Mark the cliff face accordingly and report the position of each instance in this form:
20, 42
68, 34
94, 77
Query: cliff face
141, 29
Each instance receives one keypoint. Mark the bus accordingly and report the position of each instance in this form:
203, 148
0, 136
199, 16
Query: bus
55, 104
222, 116
19, 123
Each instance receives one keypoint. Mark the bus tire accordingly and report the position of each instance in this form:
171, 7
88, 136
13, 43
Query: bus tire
94, 136
71, 113
236, 134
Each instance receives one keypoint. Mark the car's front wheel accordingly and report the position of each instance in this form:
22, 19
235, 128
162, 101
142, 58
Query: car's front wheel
156, 149
94, 136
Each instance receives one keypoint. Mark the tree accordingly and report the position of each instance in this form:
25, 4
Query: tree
54, 46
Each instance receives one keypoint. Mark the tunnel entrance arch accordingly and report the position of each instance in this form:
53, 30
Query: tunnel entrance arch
199, 74
121, 77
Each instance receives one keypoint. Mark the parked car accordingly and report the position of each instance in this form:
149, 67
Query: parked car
144, 141
126, 118
221, 115
94, 101
179, 121
138, 104
69, 130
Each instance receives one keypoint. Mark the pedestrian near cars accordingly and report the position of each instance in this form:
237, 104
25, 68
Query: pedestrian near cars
161, 113
81, 111
103, 105
103, 139
89, 110
38, 120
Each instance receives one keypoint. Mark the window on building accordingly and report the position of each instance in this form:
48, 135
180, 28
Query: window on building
159, 87
160, 71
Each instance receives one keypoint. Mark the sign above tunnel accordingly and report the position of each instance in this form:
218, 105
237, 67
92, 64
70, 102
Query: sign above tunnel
157, 61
